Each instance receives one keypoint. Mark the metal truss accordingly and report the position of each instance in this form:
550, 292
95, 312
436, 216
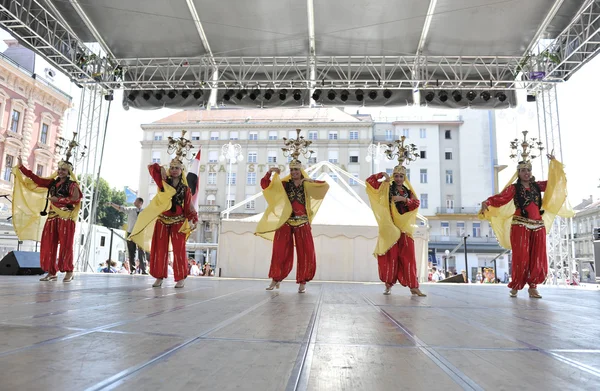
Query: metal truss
93, 113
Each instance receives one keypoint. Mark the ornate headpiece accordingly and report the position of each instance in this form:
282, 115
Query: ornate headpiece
404, 153
181, 148
295, 148
521, 150
63, 145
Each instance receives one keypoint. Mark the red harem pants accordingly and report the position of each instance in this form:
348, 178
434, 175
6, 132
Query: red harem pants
159, 256
282, 260
57, 231
399, 263
529, 260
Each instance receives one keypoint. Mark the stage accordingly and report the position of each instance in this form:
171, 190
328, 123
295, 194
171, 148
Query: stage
116, 332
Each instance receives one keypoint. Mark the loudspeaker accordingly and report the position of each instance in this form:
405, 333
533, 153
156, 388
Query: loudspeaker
454, 279
20, 263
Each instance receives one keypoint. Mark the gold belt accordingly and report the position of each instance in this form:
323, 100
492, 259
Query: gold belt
296, 221
169, 220
527, 223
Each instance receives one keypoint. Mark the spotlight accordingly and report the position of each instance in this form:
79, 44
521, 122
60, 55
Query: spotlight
471, 95
108, 97
429, 96
198, 94
443, 95
360, 95
344, 95
485, 95
159, 94
457, 95
283, 94
228, 94
317, 94
185, 93
241, 93
297, 94
387, 94
501, 96
331, 95
268, 94
255, 94
373, 94
172, 94
132, 95
530, 98
146, 95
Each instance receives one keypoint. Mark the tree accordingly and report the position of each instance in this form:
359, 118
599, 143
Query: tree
106, 215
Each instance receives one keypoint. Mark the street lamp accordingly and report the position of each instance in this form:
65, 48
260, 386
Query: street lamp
232, 152
375, 153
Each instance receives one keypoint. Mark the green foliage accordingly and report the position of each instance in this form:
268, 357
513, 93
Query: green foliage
106, 215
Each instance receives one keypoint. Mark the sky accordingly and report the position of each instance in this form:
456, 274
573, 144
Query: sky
578, 112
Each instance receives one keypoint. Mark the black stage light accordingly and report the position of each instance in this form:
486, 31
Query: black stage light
146, 95
317, 94
457, 95
269, 94
283, 94
185, 93
297, 94
360, 95
228, 94
172, 94
159, 94
373, 94
485, 95
132, 95
254, 94
429, 96
387, 94
344, 95
471, 95
443, 95
331, 94
198, 94
501, 96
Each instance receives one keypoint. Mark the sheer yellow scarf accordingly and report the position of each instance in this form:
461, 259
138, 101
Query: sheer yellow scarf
554, 203
390, 222
29, 200
279, 208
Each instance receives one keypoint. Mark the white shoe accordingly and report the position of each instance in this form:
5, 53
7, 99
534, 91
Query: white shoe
180, 284
274, 284
388, 290
157, 283
302, 288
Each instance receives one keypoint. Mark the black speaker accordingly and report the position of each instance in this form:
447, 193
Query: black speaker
20, 263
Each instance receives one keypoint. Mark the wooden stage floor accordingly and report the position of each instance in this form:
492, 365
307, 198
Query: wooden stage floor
104, 332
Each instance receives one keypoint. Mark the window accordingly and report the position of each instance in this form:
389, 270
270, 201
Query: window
273, 135
448, 154
460, 228
476, 229
158, 136
253, 136
230, 203
423, 175
352, 182
176, 134
332, 156
39, 171
445, 228
195, 136
250, 204
408, 174
333, 135
423, 154
424, 201
252, 156
312, 135
14, 125
448, 134
449, 177
156, 157
406, 132
423, 133
234, 135
44, 134
8, 163
389, 135
312, 160
272, 158
213, 156
353, 158
210, 199
450, 202
214, 135
354, 135
251, 178
333, 176
231, 176
102, 241
212, 178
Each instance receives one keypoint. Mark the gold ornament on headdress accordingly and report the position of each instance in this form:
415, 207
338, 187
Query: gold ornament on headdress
68, 147
522, 149
295, 148
404, 153
181, 148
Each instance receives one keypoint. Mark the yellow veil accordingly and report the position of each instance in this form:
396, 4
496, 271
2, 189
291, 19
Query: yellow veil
390, 222
279, 208
29, 200
554, 203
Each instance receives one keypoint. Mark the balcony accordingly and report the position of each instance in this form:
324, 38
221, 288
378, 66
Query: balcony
459, 239
209, 208
453, 211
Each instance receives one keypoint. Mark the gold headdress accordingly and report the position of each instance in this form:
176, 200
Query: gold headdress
523, 150
404, 153
295, 148
181, 148
68, 148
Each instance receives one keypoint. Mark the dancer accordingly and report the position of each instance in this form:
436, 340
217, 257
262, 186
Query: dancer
293, 202
132, 213
60, 192
170, 216
520, 216
395, 207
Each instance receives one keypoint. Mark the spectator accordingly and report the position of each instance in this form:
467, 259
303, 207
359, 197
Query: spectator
112, 269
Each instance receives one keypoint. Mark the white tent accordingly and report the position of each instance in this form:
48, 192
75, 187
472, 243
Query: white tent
344, 231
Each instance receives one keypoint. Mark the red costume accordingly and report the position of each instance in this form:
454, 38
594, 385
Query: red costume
57, 230
399, 263
296, 230
527, 233
167, 227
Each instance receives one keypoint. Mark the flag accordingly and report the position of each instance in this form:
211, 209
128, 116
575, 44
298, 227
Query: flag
193, 179
130, 195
